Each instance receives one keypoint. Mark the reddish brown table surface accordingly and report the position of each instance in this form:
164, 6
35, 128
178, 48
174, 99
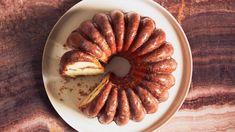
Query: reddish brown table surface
208, 24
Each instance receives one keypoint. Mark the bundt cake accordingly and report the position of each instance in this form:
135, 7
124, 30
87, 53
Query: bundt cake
134, 38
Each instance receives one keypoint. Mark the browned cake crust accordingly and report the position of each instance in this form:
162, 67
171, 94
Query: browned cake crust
165, 51
136, 107
147, 26
77, 41
92, 33
102, 22
123, 109
157, 38
93, 108
137, 39
109, 110
132, 25
149, 102
118, 23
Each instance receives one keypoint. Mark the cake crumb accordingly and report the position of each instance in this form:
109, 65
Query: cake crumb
61, 90
93, 87
96, 84
66, 80
73, 79
79, 84
82, 93
90, 89
65, 46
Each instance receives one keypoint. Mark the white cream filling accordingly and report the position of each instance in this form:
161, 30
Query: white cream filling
83, 68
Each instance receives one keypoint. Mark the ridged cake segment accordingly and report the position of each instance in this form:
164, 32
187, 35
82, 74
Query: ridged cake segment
156, 84
136, 107
77, 41
166, 80
163, 52
163, 96
165, 67
89, 30
93, 103
97, 104
118, 23
75, 63
148, 100
109, 110
146, 28
157, 38
157, 90
123, 109
102, 22
132, 25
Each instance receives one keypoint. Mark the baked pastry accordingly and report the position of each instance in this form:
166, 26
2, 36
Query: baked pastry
75, 63
135, 38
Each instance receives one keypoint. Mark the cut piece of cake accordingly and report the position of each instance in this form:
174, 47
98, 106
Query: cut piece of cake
93, 103
76, 63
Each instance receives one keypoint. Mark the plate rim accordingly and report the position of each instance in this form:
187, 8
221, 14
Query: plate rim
188, 76
187, 47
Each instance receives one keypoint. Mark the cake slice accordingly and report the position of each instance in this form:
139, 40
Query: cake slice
94, 102
76, 63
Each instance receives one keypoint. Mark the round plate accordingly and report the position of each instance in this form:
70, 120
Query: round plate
66, 94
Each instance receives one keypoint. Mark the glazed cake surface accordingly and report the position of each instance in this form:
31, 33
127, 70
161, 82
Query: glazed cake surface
135, 38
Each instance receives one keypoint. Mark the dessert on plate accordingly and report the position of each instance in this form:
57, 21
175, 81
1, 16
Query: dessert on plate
131, 36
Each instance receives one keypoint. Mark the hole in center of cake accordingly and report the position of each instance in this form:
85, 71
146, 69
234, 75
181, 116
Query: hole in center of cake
119, 66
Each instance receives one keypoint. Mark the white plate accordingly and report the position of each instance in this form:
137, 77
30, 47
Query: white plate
54, 49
